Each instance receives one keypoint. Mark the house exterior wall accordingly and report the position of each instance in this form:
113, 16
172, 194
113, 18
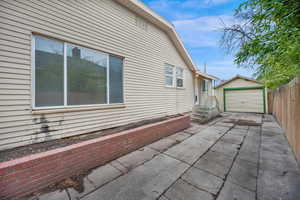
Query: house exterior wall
102, 25
235, 83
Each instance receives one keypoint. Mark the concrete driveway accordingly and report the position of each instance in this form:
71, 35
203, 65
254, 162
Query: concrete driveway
236, 157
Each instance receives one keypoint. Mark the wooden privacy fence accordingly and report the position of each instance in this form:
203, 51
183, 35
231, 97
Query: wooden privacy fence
284, 104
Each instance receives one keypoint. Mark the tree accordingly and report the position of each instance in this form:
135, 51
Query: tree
267, 39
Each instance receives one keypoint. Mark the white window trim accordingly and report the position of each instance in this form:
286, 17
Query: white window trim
33, 71
174, 77
107, 80
108, 104
65, 76
168, 75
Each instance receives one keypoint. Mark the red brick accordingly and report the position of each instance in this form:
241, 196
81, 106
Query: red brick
31, 173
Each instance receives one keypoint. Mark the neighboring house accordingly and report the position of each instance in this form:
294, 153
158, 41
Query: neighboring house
242, 94
74, 67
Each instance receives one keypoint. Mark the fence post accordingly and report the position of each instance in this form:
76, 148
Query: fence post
297, 118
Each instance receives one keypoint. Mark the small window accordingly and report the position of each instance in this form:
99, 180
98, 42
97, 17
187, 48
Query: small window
179, 77
169, 75
204, 85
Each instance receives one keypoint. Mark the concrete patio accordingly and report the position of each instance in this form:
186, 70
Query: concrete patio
221, 160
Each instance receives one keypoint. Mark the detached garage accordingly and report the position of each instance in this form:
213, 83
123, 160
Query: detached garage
241, 94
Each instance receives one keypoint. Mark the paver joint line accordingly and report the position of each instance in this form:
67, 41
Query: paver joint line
197, 187
173, 174
258, 164
234, 159
190, 165
118, 168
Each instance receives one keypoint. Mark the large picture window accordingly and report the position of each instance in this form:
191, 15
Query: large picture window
70, 75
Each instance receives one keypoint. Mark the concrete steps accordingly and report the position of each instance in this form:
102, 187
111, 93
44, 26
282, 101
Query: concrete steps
203, 114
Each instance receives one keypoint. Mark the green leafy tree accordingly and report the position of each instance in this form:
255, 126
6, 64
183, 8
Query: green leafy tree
267, 38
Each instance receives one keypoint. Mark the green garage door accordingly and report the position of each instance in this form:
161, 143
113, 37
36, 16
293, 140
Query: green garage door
244, 99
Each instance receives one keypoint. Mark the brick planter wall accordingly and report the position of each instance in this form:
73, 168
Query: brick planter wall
31, 173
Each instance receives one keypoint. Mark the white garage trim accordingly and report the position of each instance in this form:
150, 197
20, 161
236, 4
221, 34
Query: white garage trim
246, 88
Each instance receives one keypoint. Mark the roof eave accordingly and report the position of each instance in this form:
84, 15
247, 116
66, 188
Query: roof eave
142, 10
206, 76
236, 77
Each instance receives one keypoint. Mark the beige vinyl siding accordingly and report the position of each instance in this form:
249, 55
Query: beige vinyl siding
103, 25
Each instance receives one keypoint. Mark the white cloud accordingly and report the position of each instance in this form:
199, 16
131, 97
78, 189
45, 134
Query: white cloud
180, 15
202, 3
162, 5
216, 1
167, 5
206, 23
202, 31
226, 69
222, 63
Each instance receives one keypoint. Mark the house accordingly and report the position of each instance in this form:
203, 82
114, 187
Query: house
74, 67
242, 94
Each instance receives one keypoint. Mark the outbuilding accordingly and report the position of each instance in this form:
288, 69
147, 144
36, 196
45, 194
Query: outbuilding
241, 94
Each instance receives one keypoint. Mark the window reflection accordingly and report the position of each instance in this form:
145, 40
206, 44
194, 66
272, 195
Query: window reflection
86, 72
86, 75
49, 72
115, 79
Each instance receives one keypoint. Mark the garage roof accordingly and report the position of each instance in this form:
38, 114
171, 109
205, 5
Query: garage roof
238, 77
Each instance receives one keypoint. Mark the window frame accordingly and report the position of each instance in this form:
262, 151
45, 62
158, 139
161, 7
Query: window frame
33, 77
204, 85
182, 78
168, 75
174, 76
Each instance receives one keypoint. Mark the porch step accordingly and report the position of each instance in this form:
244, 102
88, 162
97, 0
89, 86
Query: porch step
200, 114
200, 111
206, 110
202, 107
199, 119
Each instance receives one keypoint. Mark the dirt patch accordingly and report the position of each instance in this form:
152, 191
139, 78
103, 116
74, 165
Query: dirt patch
18, 152
242, 122
76, 182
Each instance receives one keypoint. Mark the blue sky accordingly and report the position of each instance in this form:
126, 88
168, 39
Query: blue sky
198, 23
